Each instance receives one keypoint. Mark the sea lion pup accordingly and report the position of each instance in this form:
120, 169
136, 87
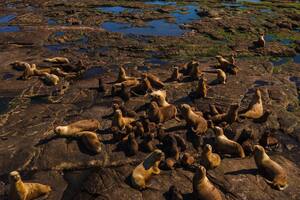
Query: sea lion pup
162, 114
143, 87
132, 145
274, 173
196, 72
57, 60
25, 191
120, 121
187, 160
203, 189
188, 67
176, 75
260, 43
122, 76
201, 90
78, 126
160, 97
125, 111
154, 80
139, 129
144, 171
30, 70
229, 117
50, 79
221, 76
170, 147
90, 141
174, 193
210, 160
227, 146
197, 122
255, 109
147, 143
227, 66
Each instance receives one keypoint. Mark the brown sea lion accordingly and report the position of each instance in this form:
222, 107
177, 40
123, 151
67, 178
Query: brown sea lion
154, 80
227, 146
122, 76
147, 143
260, 43
132, 145
30, 70
197, 122
187, 160
25, 191
160, 132
229, 117
196, 72
144, 171
138, 129
268, 140
227, 66
210, 160
143, 87
50, 79
78, 126
160, 97
202, 188
128, 83
176, 75
255, 109
120, 121
189, 67
126, 112
221, 76
201, 90
90, 141
162, 114
274, 173
170, 147
19, 65
58, 60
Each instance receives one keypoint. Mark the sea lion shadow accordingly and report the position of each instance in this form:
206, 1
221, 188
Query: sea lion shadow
214, 82
175, 128
196, 140
47, 140
252, 171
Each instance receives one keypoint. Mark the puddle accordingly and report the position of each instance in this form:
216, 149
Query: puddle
6, 18
280, 61
160, 27
116, 9
155, 61
9, 29
7, 76
153, 28
66, 45
93, 72
273, 38
266, 10
4, 104
51, 22
296, 59
238, 4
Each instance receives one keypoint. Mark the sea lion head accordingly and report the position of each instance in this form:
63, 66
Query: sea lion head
185, 107
218, 57
122, 70
14, 176
201, 172
207, 148
258, 93
157, 154
60, 130
144, 75
218, 131
116, 106
118, 113
259, 149
153, 105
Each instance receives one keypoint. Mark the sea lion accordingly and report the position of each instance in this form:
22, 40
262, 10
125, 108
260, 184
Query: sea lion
180, 142
144, 171
174, 193
128, 83
274, 173
202, 188
162, 114
154, 80
58, 60
122, 76
176, 75
146, 124
255, 109
132, 146
125, 111
160, 97
197, 122
25, 191
268, 140
30, 70
260, 43
19, 65
229, 117
143, 87
90, 141
201, 90
226, 66
227, 146
147, 144
160, 132
187, 160
210, 160
50, 79
188, 67
138, 129
120, 121
196, 72
169, 163
221, 76
170, 147
78, 126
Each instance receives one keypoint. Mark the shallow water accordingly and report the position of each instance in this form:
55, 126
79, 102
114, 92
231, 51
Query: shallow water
160, 27
4, 104
6, 19
93, 72
116, 9
9, 29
